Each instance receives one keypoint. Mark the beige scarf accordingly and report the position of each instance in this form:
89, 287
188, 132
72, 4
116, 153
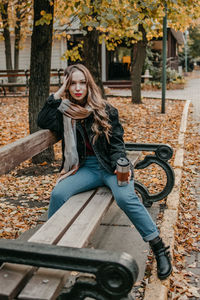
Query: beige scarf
71, 112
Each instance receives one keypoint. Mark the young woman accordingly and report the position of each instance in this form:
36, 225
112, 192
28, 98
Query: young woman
92, 140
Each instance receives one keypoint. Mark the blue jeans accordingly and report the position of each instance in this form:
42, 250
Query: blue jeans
93, 175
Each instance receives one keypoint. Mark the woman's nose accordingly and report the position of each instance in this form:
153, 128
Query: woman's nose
78, 86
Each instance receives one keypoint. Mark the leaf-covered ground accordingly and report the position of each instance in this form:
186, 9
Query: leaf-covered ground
25, 191
185, 283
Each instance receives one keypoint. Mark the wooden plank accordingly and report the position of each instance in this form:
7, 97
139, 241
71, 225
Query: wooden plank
45, 285
57, 225
13, 154
76, 236
49, 233
14, 75
86, 223
13, 84
12, 279
12, 71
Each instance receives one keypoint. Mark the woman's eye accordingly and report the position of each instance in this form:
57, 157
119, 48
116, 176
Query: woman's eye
82, 82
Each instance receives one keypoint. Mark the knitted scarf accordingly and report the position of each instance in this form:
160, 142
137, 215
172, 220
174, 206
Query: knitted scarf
71, 112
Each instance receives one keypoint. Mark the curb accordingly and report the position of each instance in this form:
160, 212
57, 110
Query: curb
157, 289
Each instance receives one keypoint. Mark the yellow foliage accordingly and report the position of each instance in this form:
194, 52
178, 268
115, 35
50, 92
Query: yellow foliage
74, 53
114, 19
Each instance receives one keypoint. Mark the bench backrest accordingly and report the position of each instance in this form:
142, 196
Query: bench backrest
14, 73
15, 153
26, 72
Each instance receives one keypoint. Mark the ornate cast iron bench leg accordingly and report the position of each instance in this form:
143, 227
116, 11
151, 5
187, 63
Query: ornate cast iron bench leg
162, 153
114, 273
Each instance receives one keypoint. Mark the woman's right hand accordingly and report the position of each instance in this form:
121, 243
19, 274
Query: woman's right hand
62, 89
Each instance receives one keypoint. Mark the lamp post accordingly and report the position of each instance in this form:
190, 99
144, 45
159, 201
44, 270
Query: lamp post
164, 59
186, 52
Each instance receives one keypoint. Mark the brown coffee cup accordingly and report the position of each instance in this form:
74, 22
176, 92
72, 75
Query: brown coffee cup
123, 168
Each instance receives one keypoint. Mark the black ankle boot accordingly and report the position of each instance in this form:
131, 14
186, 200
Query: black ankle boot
164, 266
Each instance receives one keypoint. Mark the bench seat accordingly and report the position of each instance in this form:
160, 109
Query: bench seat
71, 226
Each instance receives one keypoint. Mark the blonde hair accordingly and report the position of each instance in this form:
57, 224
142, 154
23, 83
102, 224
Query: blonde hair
94, 100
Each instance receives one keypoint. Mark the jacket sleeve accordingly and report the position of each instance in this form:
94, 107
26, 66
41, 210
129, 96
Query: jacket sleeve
117, 145
50, 117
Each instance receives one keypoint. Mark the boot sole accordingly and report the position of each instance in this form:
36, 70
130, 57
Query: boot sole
163, 277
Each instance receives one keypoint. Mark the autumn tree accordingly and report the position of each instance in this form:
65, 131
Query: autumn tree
66, 13
6, 35
23, 10
41, 47
114, 22
135, 22
138, 55
14, 20
194, 41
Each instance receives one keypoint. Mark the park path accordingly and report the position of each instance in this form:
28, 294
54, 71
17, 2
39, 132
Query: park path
190, 92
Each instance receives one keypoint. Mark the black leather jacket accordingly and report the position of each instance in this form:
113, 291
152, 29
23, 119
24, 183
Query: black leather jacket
107, 153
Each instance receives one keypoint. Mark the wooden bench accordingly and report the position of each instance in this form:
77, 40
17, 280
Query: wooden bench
71, 226
39, 269
14, 74
58, 73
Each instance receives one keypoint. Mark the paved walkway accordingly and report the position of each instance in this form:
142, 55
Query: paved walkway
190, 92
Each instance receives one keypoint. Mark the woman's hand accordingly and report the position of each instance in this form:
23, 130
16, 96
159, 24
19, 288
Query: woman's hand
61, 90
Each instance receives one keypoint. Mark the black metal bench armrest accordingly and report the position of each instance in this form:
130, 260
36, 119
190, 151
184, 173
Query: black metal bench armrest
115, 273
162, 153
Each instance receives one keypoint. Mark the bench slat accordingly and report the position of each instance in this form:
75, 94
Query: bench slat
15, 153
76, 236
49, 233
10, 274
46, 234
55, 227
45, 285
86, 223
13, 84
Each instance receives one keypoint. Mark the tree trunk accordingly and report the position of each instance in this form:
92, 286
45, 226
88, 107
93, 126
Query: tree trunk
138, 54
91, 57
7, 40
17, 37
16, 50
41, 46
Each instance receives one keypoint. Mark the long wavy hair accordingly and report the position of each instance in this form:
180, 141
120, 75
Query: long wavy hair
93, 99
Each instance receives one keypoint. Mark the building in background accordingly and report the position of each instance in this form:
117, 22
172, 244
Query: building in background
58, 48
115, 65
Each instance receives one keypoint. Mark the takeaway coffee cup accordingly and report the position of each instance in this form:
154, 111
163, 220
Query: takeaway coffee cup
123, 168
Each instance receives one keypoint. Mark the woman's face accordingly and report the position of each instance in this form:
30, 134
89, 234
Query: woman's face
78, 87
